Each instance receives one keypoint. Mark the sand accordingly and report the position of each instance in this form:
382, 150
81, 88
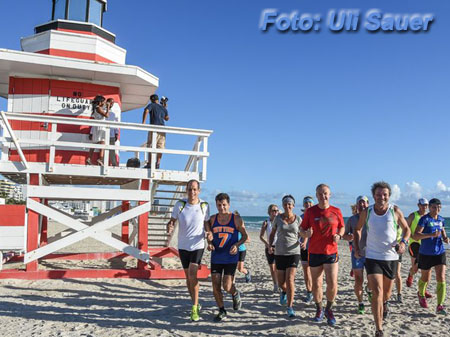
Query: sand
124, 307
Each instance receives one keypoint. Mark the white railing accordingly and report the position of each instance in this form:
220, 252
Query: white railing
197, 154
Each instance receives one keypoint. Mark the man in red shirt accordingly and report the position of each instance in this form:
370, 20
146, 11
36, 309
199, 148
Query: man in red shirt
324, 225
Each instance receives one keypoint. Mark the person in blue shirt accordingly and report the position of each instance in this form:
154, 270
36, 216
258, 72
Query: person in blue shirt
158, 116
431, 231
242, 254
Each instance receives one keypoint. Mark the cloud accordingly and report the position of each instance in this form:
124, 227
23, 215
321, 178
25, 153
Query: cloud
440, 186
395, 193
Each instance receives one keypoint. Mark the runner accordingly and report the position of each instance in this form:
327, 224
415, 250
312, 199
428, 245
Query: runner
362, 202
324, 225
414, 245
222, 233
431, 231
192, 214
264, 235
308, 202
242, 255
286, 227
398, 276
381, 220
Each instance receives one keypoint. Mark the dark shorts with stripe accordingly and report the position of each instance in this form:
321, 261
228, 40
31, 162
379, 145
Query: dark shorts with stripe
187, 257
284, 262
426, 262
242, 255
317, 260
225, 269
270, 257
386, 268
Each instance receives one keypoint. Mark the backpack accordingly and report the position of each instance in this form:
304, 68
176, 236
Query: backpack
203, 205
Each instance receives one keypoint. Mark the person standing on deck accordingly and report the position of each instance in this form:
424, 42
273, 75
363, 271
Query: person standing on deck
382, 249
192, 215
158, 116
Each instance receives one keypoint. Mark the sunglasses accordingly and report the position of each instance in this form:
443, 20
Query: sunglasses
274, 210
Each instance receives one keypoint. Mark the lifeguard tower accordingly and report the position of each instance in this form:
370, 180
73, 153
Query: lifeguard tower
45, 143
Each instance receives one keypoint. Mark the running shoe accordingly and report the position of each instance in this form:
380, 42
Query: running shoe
199, 306
194, 314
428, 295
352, 274
379, 333
237, 301
309, 297
399, 298
248, 276
409, 281
290, 312
283, 298
423, 301
361, 309
319, 315
441, 310
330, 317
88, 161
386, 310
275, 288
222, 315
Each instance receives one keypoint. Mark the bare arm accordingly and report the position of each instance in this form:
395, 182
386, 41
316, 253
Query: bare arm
102, 111
445, 238
357, 232
171, 225
244, 236
262, 233
418, 235
406, 231
144, 116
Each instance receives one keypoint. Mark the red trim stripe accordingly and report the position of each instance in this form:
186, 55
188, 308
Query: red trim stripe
12, 215
74, 54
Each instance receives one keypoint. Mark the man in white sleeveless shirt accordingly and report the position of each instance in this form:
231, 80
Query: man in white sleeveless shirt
381, 220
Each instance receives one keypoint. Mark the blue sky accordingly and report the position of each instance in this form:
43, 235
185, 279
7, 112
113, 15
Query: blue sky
290, 111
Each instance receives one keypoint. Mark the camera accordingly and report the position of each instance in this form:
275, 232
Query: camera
164, 101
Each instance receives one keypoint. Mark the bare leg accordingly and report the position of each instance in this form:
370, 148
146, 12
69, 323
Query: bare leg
228, 284
307, 276
241, 267
331, 273
317, 281
398, 279
273, 273
290, 285
217, 291
193, 282
281, 276
359, 281
376, 286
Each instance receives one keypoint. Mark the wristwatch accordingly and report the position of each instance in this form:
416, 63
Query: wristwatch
404, 241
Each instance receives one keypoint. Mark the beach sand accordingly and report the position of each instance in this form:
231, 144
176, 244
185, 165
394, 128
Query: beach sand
127, 307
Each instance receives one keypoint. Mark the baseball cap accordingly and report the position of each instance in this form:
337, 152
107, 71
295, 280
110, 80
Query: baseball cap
423, 201
362, 197
308, 199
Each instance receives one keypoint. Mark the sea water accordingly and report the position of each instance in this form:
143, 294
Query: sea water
255, 222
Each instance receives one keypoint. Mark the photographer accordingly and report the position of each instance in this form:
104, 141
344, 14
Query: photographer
100, 111
158, 116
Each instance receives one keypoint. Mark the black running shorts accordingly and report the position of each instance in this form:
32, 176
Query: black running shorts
426, 262
304, 255
226, 269
284, 262
242, 255
316, 260
187, 257
386, 268
414, 250
270, 257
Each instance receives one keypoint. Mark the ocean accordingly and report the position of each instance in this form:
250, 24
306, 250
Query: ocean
255, 222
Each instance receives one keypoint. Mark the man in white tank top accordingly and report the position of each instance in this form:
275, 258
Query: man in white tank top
382, 220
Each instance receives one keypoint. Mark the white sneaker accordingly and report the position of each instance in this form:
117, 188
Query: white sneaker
275, 288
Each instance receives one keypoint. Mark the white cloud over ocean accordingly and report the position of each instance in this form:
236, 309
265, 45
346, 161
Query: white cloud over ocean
406, 196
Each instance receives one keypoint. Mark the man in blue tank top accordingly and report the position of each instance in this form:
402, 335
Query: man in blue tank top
223, 242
